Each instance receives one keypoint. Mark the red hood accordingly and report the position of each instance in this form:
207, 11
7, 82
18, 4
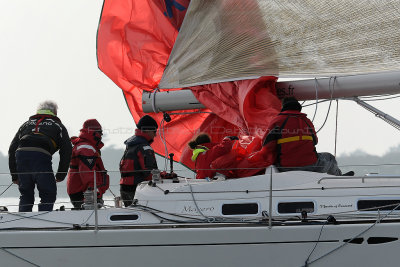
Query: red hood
86, 137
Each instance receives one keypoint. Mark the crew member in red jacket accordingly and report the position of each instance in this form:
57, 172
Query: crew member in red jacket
290, 143
205, 152
138, 159
85, 160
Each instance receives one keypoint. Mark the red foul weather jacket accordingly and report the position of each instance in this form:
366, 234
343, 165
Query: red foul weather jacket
289, 142
205, 154
84, 161
138, 159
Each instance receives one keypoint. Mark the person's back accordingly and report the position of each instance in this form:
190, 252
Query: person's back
30, 154
290, 143
293, 138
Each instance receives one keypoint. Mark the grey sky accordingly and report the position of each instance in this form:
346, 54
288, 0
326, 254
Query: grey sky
48, 51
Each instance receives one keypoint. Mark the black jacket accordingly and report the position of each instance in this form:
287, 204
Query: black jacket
45, 132
138, 161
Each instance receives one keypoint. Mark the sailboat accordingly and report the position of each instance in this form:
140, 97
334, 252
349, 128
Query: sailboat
219, 75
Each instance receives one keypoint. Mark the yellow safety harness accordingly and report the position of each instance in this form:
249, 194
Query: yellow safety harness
197, 151
294, 138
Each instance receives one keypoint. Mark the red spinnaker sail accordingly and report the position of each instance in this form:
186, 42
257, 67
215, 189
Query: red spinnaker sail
135, 39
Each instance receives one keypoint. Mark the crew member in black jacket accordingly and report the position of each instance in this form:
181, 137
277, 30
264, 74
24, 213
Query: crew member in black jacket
30, 156
138, 159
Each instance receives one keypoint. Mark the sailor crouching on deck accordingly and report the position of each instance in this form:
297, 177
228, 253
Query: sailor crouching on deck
86, 159
205, 152
30, 155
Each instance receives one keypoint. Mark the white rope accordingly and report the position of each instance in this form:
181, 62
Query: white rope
316, 98
336, 127
153, 101
330, 100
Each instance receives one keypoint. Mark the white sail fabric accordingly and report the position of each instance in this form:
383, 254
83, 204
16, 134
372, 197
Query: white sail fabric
228, 40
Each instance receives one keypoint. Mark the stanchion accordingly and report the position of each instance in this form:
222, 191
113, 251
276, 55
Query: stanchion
270, 200
96, 218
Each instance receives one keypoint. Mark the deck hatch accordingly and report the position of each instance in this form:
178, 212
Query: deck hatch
240, 208
381, 204
124, 217
296, 207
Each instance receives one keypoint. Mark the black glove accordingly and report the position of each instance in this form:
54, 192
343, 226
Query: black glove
14, 177
232, 137
60, 177
166, 175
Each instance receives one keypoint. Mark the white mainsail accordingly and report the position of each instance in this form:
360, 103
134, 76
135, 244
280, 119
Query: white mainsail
240, 39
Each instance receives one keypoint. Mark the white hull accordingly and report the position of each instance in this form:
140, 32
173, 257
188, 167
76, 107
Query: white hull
202, 245
165, 229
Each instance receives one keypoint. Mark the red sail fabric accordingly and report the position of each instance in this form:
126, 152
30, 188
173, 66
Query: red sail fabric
134, 41
248, 104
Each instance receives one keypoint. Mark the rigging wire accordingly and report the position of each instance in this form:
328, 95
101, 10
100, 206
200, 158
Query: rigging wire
316, 243
19, 257
162, 134
375, 98
320, 101
348, 241
109, 189
6, 189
